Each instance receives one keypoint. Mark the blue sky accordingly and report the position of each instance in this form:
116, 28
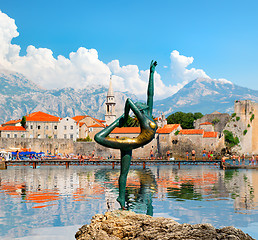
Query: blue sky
220, 35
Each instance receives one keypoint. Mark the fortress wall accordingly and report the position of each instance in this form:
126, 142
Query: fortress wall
255, 129
244, 109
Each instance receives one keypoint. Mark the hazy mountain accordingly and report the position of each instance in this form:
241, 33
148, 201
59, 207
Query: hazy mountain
206, 96
19, 96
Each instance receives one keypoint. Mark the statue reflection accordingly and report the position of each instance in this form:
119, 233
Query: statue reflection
141, 186
142, 199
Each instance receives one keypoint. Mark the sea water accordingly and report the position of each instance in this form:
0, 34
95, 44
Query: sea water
53, 202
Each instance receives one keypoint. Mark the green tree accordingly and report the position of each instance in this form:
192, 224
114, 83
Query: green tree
186, 120
132, 122
230, 140
23, 121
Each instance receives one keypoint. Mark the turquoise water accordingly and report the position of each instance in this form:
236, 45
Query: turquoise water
53, 202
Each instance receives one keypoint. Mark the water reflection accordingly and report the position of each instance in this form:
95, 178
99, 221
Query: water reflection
55, 197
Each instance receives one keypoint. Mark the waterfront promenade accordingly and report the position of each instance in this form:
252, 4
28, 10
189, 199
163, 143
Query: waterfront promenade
112, 162
116, 162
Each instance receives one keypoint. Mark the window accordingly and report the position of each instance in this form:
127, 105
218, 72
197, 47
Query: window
71, 136
55, 127
55, 136
38, 127
71, 127
46, 136
64, 136
90, 129
65, 127
39, 136
8, 135
46, 127
15, 135
31, 127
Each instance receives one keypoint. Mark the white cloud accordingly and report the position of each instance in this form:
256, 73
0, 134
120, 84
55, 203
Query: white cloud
180, 73
84, 68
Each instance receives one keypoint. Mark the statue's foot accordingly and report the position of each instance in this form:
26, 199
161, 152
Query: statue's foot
121, 202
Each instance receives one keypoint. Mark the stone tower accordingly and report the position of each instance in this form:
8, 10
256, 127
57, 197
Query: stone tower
110, 115
244, 125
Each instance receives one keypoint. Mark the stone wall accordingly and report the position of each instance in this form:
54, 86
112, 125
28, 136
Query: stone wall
36, 144
218, 126
66, 146
245, 129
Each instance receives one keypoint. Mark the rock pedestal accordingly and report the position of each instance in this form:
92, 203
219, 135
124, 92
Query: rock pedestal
129, 225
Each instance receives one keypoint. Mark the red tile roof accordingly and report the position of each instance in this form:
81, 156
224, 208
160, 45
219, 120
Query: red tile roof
79, 118
206, 123
41, 117
210, 134
192, 132
99, 121
168, 128
12, 122
97, 125
127, 130
12, 128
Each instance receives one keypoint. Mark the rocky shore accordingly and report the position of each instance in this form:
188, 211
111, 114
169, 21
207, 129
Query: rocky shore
129, 225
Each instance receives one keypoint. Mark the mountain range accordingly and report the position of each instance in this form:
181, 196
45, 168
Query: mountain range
205, 95
20, 96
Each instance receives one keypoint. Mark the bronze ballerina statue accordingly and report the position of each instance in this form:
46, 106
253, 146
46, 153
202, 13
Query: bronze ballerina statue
148, 129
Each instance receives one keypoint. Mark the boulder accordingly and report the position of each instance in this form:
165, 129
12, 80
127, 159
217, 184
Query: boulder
129, 225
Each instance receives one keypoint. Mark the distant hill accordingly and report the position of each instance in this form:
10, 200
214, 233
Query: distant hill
206, 96
19, 96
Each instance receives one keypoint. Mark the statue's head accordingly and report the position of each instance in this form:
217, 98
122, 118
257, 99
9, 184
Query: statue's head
143, 107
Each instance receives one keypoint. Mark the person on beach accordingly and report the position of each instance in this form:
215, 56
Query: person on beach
168, 154
17, 155
204, 154
193, 155
234, 159
239, 159
187, 156
243, 159
253, 159
151, 154
211, 155
223, 162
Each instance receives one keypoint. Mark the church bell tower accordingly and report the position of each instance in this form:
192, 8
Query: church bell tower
110, 115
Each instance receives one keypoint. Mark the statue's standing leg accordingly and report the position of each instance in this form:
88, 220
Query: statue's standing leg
126, 157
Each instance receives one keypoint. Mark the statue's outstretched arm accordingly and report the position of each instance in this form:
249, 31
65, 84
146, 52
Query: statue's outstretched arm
150, 92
